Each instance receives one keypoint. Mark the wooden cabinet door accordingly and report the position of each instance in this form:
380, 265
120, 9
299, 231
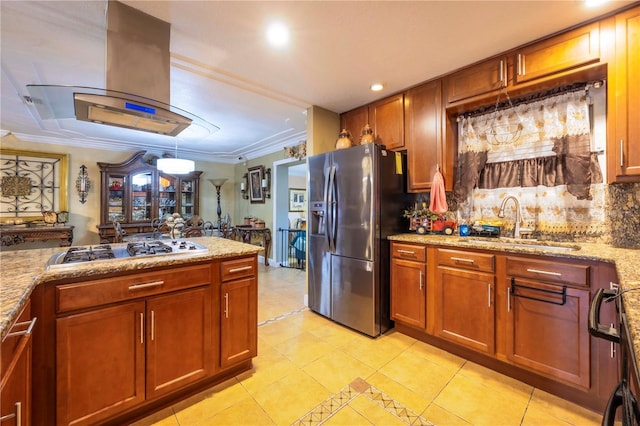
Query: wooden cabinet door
624, 98
239, 321
424, 136
99, 363
179, 336
569, 50
354, 121
387, 121
15, 380
408, 292
485, 78
547, 336
465, 308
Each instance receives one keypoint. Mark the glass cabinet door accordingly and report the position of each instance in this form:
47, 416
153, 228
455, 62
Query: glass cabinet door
167, 195
187, 198
141, 187
115, 197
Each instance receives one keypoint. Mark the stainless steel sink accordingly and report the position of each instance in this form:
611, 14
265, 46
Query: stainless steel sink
518, 243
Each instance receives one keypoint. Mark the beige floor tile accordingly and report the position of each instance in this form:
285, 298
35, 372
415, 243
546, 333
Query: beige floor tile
441, 417
347, 417
335, 334
268, 367
207, 404
436, 355
243, 413
399, 392
480, 404
493, 379
304, 349
373, 352
418, 374
277, 332
337, 369
164, 417
291, 397
545, 408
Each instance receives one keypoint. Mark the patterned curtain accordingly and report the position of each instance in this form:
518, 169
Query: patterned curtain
545, 142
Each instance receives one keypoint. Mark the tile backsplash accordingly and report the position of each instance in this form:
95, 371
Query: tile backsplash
612, 216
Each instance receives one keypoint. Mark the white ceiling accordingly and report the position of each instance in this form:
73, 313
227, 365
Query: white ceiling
223, 70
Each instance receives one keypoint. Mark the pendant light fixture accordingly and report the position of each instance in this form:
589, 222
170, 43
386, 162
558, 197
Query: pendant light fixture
175, 166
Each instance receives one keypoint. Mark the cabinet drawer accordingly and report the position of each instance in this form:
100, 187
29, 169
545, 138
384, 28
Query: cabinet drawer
466, 260
239, 268
409, 251
549, 271
11, 344
110, 290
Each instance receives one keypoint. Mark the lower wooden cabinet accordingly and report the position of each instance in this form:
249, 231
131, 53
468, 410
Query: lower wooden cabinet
408, 292
15, 379
523, 315
130, 353
547, 331
238, 311
465, 312
114, 348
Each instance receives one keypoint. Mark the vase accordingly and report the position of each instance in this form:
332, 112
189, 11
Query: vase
344, 140
367, 135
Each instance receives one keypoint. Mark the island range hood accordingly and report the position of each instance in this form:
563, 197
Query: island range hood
137, 81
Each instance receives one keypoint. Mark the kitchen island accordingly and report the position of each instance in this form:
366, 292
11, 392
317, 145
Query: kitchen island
147, 331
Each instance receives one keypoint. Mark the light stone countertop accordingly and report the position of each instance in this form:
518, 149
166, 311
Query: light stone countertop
626, 260
22, 270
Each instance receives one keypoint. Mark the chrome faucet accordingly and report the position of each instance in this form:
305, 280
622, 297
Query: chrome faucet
516, 229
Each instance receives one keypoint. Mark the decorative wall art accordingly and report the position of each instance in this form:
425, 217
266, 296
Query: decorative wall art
256, 194
297, 199
32, 183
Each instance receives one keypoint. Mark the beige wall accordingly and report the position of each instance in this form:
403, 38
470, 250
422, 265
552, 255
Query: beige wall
85, 217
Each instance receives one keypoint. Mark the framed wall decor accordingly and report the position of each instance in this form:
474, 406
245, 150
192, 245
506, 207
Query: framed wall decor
256, 194
32, 183
297, 199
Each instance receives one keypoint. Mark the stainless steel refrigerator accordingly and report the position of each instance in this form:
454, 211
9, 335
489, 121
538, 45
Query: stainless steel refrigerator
356, 198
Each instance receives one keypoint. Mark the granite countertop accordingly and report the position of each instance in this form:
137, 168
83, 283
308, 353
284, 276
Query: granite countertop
625, 259
22, 270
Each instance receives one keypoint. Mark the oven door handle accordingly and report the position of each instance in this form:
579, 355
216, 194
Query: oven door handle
595, 328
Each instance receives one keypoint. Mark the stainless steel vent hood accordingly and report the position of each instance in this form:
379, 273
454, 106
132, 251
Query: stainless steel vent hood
137, 81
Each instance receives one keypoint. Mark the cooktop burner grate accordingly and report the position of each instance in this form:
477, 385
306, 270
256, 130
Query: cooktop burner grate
148, 247
85, 254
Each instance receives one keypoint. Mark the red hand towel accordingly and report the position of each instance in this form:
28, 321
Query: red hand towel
438, 202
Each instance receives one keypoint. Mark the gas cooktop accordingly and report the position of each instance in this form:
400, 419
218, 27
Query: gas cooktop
99, 253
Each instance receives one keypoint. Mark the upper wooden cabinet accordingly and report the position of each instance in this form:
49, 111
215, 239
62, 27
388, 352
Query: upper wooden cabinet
569, 50
387, 121
386, 118
354, 121
424, 137
624, 100
481, 79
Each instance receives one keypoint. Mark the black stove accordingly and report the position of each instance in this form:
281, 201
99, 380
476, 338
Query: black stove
75, 255
86, 254
145, 248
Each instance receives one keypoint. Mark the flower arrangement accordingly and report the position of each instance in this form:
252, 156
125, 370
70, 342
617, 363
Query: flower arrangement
420, 214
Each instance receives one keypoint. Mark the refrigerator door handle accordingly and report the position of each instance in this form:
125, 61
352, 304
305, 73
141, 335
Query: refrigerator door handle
327, 208
334, 208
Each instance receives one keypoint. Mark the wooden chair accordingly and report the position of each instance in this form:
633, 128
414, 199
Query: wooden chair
208, 228
192, 231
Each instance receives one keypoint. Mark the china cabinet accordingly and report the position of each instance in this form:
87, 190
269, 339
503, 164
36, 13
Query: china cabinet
135, 192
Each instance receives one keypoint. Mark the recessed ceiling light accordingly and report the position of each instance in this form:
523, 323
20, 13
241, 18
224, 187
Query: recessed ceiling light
278, 34
376, 87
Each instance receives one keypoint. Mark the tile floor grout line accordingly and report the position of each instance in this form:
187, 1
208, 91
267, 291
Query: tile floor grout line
283, 316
